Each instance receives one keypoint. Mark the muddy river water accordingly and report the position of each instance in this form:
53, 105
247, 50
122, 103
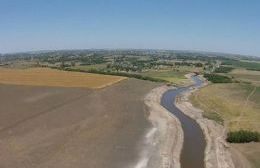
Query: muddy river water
192, 155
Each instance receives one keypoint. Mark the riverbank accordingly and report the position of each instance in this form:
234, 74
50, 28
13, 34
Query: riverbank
218, 153
162, 143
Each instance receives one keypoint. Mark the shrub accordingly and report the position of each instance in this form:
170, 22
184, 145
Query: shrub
215, 78
243, 136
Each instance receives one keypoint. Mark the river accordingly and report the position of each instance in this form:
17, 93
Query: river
192, 155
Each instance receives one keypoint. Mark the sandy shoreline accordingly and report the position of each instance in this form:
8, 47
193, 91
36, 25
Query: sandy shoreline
163, 141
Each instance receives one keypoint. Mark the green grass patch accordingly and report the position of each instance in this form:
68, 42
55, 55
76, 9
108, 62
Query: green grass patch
214, 116
170, 76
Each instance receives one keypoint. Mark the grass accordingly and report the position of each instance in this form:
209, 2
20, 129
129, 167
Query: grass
175, 75
236, 104
52, 77
243, 64
214, 116
168, 75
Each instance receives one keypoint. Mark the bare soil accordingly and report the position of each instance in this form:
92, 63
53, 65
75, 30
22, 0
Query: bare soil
70, 127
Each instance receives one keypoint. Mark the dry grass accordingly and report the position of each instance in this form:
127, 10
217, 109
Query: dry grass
51, 77
236, 104
246, 76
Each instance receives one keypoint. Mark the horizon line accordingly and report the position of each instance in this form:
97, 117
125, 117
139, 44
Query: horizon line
74, 49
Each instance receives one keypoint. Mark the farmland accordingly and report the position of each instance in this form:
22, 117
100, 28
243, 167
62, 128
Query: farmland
51, 77
61, 127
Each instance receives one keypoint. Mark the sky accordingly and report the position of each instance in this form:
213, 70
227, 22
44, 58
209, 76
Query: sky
231, 26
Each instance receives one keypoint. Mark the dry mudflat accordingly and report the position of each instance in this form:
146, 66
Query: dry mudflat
59, 127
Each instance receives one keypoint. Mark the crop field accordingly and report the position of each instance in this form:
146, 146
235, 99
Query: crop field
236, 104
51, 77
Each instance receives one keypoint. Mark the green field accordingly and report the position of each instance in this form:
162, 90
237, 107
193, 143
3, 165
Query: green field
171, 76
243, 64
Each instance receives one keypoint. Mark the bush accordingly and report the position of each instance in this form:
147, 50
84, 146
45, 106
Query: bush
243, 136
215, 78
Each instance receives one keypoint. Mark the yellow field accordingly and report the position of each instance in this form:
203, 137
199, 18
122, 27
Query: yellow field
51, 77
238, 105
